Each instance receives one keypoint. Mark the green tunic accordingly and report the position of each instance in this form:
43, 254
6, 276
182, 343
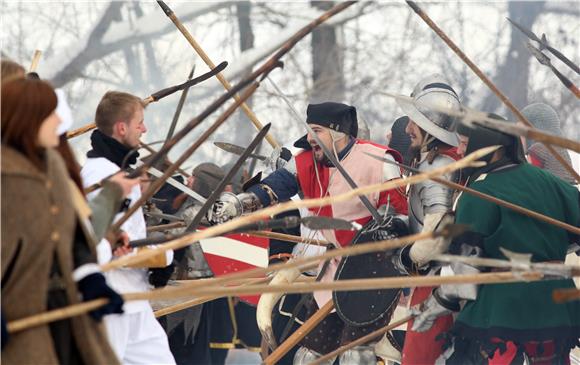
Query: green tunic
521, 311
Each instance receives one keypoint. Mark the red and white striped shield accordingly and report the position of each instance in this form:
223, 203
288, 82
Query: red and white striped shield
236, 252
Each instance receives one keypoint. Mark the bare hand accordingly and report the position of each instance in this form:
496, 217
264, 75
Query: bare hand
122, 245
189, 182
124, 182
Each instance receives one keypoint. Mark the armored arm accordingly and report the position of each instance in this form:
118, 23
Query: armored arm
447, 298
280, 185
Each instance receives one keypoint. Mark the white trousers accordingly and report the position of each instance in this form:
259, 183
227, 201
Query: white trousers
137, 338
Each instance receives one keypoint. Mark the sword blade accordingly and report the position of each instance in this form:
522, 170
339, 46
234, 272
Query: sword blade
180, 104
176, 184
168, 217
226, 180
319, 223
237, 150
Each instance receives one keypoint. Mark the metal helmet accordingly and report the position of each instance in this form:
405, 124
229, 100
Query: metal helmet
481, 137
432, 94
543, 117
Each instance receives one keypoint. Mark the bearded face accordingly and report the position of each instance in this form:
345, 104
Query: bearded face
324, 136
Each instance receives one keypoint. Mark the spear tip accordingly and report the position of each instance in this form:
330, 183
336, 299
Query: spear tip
413, 6
166, 9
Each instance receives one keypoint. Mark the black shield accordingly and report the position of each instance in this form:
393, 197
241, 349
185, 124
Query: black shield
361, 308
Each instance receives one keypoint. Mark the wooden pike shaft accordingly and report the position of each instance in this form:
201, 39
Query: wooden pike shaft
171, 169
306, 261
188, 288
354, 284
287, 238
552, 139
197, 301
35, 60
299, 334
531, 133
163, 227
253, 118
362, 340
273, 210
487, 82
508, 205
304, 287
181, 306
565, 295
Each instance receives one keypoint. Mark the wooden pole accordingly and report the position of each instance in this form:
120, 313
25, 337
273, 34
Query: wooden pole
302, 287
184, 305
197, 301
187, 287
253, 118
163, 227
362, 340
487, 82
35, 60
287, 238
238, 222
299, 334
156, 96
565, 295
354, 284
309, 203
508, 205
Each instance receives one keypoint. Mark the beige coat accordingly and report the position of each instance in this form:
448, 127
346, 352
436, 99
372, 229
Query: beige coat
38, 220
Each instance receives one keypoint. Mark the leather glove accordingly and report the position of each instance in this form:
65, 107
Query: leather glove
279, 158
5, 335
228, 206
422, 251
94, 286
427, 312
159, 276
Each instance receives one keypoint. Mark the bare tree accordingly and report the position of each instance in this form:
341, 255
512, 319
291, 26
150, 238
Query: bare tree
512, 76
327, 61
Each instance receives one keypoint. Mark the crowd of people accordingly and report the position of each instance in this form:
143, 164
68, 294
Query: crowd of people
55, 238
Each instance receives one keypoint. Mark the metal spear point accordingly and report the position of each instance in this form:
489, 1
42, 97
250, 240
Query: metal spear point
544, 45
156, 96
237, 150
516, 261
545, 60
488, 82
176, 184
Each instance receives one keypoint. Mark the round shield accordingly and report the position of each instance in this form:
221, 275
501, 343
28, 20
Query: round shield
361, 308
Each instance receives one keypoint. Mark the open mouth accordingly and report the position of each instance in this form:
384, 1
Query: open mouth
316, 148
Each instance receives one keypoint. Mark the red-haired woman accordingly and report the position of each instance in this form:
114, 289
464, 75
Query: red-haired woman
48, 260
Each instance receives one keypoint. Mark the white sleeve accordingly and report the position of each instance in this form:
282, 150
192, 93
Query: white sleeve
104, 252
390, 171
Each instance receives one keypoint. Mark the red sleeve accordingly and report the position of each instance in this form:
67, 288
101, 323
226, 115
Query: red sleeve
396, 197
534, 160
